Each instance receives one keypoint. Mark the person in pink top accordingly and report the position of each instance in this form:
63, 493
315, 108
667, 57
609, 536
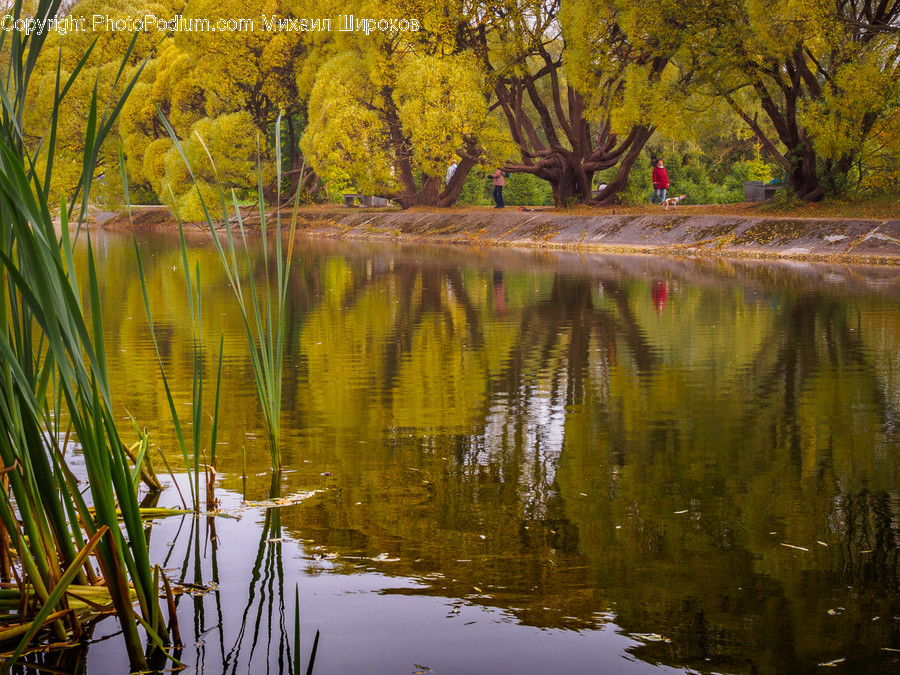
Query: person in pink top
499, 182
660, 183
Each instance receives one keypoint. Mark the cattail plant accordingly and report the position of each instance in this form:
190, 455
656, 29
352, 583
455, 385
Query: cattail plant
265, 309
192, 458
52, 350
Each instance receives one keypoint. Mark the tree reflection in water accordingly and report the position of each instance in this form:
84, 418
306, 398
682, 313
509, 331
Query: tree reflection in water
717, 466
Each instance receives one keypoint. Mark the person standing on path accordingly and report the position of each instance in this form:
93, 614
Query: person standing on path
499, 182
660, 183
451, 170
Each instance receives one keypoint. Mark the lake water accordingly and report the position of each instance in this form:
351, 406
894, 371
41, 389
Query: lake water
531, 462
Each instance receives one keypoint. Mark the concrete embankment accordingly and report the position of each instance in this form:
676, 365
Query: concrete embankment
848, 240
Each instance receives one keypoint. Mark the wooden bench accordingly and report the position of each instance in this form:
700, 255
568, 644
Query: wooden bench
757, 191
769, 191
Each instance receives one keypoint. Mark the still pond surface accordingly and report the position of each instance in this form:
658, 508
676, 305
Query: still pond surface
503, 461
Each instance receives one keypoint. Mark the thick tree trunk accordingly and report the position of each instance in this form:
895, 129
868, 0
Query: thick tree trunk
571, 177
454, 188
609, 194
412, 195
802, 177
431, 189
430, 192
565, 189
799, 163
559, 146
572, 184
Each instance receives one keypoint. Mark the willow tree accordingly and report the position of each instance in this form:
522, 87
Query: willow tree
825, 74
393, 108
572, 82
107, 52
226, 87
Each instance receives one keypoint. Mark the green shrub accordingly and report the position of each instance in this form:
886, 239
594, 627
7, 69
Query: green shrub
524, 189
476, 190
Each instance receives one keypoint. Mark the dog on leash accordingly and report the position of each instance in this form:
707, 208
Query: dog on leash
673, 201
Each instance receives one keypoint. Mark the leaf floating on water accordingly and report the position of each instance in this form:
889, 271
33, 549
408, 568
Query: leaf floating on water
832, 612
478, 589
869, 551
651, 637
385, 557
295, 498
799, 548
890, 649
157, 512
821, 543
678, 513
832, 663
195, 589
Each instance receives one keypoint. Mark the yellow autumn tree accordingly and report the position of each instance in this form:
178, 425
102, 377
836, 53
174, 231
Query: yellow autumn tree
392, 108
822, 73
100, 73
227, 87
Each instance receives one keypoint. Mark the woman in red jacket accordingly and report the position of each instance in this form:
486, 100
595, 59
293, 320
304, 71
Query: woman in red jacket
660, 183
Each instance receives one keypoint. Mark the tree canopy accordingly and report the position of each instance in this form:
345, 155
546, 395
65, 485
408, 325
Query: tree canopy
567, 92
397, 107
816, 81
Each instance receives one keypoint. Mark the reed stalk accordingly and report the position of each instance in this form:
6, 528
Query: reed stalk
191, 457
52, 350
264, 321
312, 655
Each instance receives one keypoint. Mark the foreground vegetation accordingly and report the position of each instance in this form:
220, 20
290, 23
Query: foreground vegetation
69, 555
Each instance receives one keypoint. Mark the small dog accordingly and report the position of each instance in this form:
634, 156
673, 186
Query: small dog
673, 201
